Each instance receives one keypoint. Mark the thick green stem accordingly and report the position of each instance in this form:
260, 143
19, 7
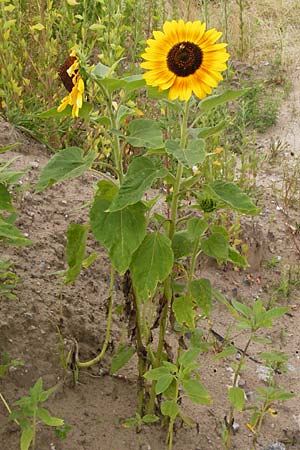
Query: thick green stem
167, 284
192, 265
109, 323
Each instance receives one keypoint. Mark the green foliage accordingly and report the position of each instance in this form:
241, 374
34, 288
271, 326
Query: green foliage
69, 163
151, 263
8, 280
30, 410
122, 231
121, 358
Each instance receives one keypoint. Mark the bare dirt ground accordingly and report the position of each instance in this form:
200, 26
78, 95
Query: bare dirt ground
96, 406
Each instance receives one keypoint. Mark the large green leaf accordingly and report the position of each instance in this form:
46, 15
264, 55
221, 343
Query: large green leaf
207, 131
12, 235
123, 355
196, 392
76, 241
231, 194
138, 179
5, 199
196, 227
145, 133
182, 245
202, 294
184, 312
121, 232
68, 163
189, 157
216, 246
184, 241
216, 100
151, 263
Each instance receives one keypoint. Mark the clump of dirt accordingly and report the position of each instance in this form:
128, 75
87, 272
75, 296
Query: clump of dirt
95, 407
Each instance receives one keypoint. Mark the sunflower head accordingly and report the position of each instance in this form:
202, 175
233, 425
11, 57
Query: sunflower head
63, 72
73, 82
185, 59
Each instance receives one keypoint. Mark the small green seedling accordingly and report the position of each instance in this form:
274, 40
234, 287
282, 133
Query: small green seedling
30, 412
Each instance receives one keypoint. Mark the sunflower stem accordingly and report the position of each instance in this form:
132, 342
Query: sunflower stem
167, 295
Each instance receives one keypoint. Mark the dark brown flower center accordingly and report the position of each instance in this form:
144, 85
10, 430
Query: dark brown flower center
184, 59
64, 76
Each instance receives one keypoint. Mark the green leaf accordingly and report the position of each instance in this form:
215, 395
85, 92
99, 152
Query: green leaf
184, 312
237, 397
138, 179
182, 245
12, 235
133, 82
87, 262
216, 100
9, 147
189, 356
5, 199
202, 294
216, 246
163, 383
121, 232
36, 391
157, 373
275, 313
49, 420
229, 351
196, 228
196, 392
207, 131
151, 263
145, 133
150, 418
66, 164
241, 308
130, 423
170, 408
189, 157
76, 242
236, 258
123, 355
231, 194
26, 437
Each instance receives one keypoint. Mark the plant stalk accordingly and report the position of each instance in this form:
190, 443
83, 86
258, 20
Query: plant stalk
108, 329
167, 284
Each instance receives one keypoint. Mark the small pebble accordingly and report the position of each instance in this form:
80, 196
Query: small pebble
276, 446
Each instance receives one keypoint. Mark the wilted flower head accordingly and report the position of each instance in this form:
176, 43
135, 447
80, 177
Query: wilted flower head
73, 82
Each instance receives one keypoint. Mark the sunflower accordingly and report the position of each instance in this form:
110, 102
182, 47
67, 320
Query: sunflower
185, 58
73, 82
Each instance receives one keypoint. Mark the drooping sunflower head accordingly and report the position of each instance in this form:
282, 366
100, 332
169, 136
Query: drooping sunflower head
73, 82
185, 59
